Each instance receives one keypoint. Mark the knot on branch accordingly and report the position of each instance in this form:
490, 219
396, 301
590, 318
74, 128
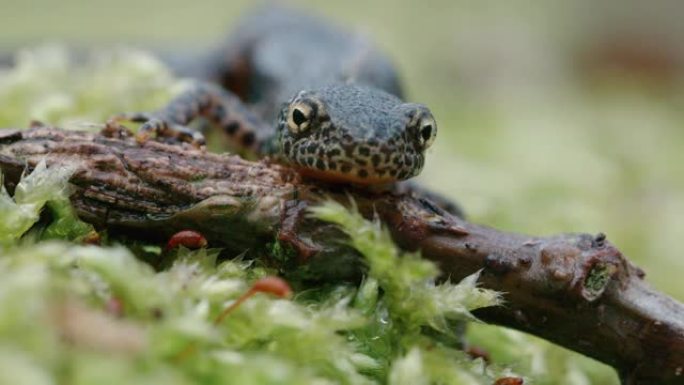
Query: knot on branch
586, 268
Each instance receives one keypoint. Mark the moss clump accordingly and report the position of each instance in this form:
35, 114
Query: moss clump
598, 277
101, 312
41, 187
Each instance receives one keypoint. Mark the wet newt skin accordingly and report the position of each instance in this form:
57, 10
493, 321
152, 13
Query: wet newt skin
295, 87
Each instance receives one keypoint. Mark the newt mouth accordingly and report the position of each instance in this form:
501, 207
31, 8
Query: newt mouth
351, 177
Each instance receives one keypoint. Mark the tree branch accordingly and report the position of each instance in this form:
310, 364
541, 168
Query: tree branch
577, 290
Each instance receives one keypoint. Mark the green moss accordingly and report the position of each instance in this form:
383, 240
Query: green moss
282, 253
43, 186
407, 280
402, 299
65, 223
598, 277
49, 85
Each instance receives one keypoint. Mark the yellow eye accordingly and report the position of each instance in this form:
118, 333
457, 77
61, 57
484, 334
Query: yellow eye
427, 131
299, 117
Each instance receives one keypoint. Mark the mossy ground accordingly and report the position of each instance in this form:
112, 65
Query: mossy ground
77, 314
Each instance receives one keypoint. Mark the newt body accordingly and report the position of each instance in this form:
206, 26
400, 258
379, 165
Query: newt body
307, 94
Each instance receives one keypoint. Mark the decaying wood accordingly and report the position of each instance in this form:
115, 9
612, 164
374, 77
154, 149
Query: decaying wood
577, 290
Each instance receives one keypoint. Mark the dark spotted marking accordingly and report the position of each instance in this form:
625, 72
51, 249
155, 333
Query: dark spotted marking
334, 152
314, 109
231, 128
248, 139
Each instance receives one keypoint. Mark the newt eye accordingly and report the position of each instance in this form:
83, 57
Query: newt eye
427, 131
299, 117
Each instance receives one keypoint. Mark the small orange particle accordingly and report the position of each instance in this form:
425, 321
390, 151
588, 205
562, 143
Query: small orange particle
477, 352
188, 238
509, 381
273, 285
92, 238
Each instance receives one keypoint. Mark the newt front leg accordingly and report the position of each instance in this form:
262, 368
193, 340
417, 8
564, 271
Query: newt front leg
219, 107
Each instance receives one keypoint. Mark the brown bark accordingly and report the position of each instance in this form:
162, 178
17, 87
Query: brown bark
576, 290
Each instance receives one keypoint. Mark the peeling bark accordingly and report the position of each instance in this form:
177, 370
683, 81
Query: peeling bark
577, 290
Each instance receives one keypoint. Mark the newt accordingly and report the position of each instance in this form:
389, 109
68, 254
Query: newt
307, 93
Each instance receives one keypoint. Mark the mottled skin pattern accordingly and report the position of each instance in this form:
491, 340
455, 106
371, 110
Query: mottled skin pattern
355, 133
307, 94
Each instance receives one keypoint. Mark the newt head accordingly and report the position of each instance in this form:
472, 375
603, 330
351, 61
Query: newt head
354, 134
